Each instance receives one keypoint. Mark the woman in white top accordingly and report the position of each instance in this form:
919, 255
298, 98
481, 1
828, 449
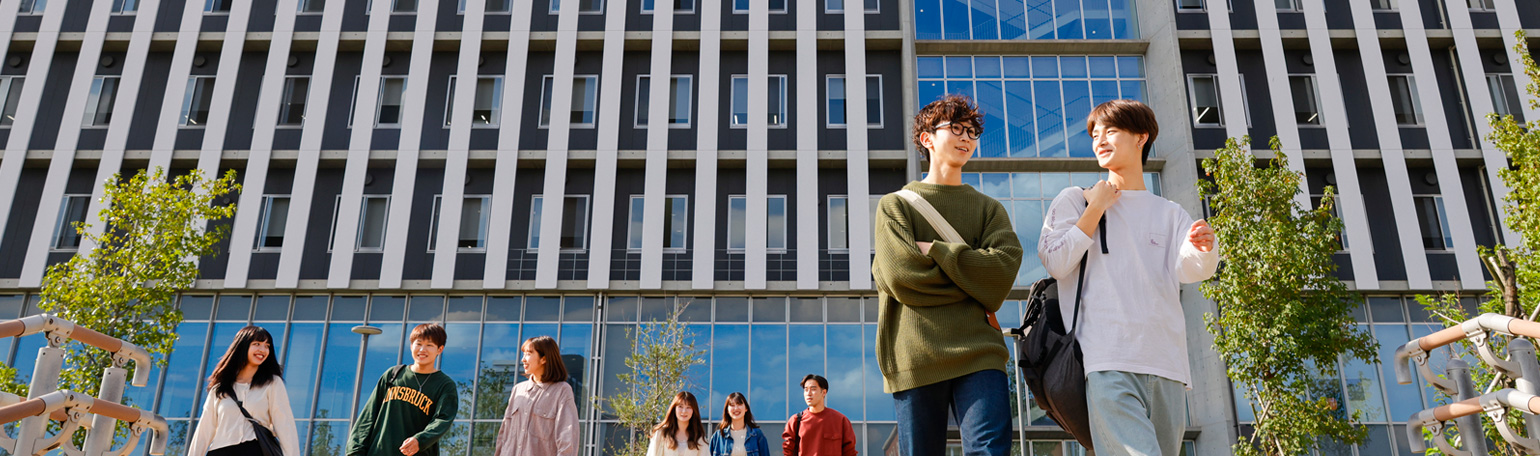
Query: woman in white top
248, 376
681, 432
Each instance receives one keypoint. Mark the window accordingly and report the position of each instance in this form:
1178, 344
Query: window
1033, 105
583, 94
1189, 5
742, 6
1403, 98
388, 111
839, 220
1207, 111
776, 115
675, 222
493, 6
104, 91
1482, 5
584, 6
680, 6
473, 223
403, 6
487, 106
775, 222
836, 110
1505, 96
1384, 5
838, 6
275, 217
1306, 104
1434, 222
1287, 5
296, 89
125, 6
10, 96
217, 6
72, 211
33, 6
678, 101
312, 6
574, 222
195, 104
372, 214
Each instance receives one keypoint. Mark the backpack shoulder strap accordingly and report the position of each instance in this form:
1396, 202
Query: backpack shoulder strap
396, 373
1101, 231
796, 433
937, 222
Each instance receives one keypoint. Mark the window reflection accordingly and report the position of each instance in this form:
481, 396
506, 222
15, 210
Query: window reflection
495, 375
182, 375
299, 366
1037, 105
338, 374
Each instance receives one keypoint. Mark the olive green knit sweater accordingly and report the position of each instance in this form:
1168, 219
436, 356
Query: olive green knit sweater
932, 321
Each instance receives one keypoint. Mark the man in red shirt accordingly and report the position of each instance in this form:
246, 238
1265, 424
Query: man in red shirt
819, 430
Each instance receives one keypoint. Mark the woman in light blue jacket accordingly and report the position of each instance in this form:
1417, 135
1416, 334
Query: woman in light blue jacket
739, 435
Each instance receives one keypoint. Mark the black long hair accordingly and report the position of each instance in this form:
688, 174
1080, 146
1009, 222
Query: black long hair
222, 380
748, 413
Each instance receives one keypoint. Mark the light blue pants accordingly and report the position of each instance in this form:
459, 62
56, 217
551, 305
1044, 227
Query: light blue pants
1136, 414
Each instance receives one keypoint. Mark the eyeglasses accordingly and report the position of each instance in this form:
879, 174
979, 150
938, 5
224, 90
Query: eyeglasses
973, 132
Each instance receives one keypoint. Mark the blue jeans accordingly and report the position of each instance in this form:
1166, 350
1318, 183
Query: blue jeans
980, 404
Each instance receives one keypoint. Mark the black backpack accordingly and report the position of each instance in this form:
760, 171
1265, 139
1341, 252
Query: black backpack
1049, 356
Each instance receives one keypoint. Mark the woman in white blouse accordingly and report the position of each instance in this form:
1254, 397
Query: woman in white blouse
681, 432
248, 376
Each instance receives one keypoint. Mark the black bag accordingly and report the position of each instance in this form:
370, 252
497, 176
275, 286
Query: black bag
265, 439
1049, 357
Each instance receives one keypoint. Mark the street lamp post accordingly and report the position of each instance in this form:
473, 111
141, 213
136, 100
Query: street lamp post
364, 331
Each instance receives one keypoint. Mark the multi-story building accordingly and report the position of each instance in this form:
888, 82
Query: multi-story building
351, 122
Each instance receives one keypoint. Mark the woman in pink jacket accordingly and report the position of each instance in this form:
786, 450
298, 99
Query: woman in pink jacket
542, 415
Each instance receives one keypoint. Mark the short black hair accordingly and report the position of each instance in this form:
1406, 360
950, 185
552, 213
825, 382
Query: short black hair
430, 332
1131, 115
822, 382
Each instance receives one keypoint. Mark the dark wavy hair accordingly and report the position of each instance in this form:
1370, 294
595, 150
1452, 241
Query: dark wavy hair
222, 380
951, 108
670, 425
748, 412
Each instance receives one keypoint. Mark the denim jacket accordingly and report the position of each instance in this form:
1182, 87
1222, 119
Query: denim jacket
755, 443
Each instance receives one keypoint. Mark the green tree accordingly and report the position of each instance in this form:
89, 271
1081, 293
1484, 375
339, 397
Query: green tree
661, 354
1284, 320
1515, 269
144, 255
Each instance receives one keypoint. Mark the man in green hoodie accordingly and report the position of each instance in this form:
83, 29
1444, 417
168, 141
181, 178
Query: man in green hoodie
412, 405
937, 343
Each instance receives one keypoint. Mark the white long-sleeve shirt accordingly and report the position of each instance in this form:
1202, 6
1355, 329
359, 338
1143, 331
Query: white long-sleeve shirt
223, 425
1131, 317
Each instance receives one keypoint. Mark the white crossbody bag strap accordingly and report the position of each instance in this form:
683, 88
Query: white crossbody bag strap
937, 222
943, 228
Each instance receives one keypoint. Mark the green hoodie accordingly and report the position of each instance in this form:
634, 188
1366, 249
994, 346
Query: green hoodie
404, 405
932, 322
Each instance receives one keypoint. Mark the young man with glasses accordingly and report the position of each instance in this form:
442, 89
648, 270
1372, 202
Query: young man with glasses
938, 344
